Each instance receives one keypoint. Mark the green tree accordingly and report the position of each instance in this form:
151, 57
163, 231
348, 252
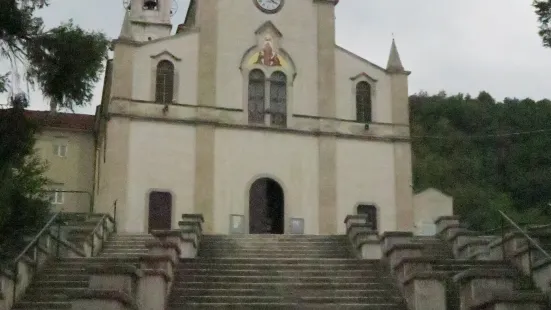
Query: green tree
488, 155
543, 10
64, 63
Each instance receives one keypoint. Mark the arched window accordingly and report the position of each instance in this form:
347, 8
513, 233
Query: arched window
164, 88
371, 212
257, 95
278, 99
363, 102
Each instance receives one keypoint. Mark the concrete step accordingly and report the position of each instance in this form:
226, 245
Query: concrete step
179, 294
278, 298
278, 272
280, 286
283, 279
277, 266
31, 305
284, 306
288, 261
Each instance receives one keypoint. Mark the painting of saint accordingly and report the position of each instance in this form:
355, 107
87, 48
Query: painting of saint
267, 55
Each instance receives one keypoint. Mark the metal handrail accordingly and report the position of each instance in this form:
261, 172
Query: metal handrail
101, 223
525, 234
37, 237
53, 220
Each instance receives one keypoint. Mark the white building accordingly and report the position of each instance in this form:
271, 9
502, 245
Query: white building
252, 116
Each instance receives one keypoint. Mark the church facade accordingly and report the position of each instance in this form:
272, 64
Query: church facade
252, 116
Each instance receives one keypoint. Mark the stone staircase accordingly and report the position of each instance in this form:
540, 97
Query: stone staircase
281, 272
48, 291
441, 258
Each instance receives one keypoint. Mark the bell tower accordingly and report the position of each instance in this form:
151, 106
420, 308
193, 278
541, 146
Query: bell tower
147, 20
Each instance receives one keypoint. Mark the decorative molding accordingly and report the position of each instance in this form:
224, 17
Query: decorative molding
364, 75
166, 52
268, 25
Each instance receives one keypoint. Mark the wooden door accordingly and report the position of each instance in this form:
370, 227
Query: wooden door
160, 211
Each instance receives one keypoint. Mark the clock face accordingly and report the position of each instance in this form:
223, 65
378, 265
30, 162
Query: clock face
269, 6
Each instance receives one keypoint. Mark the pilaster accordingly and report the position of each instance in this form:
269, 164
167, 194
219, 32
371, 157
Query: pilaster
327, 108
207, 17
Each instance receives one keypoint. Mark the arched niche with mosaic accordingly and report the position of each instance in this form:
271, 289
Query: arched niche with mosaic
268, 75
268, 55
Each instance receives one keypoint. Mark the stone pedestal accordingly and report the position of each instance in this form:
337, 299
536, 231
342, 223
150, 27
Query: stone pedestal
153, 289
477, 285
425, 291
187, 246
390, 238
398, 252
111, 287
446, 226
102, 300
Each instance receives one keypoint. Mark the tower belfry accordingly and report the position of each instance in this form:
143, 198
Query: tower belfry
147, 20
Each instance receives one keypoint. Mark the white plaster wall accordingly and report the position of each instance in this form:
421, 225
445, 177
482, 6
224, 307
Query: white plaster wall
365, 174
237, 23
428, 206
184, 47
161, 157
347, 66
242, 156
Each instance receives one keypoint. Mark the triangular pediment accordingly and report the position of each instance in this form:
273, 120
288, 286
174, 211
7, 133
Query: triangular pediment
268, 26
166, 53
363, 75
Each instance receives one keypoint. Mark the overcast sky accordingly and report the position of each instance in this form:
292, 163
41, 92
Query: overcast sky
458, 46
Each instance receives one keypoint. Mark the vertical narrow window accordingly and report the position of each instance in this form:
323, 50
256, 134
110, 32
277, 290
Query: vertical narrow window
164, 90
363, 102
278, 99
371, 212
257, 94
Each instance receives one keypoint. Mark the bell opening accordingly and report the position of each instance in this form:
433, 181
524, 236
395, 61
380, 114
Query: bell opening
150, 4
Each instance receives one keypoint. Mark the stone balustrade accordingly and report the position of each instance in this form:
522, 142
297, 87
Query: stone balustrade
116, 286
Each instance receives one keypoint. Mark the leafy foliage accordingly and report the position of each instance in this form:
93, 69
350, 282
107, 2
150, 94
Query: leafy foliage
543, 10
23, 206
65, 62
463, 146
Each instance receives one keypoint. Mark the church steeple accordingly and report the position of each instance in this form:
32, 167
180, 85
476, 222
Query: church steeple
147, 20
394, 64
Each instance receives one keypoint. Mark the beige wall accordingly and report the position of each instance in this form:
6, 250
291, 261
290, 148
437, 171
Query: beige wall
428, 206
180, 50
151, 148
161, 158
73, 172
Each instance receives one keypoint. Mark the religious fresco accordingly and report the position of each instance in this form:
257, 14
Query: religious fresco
268, 56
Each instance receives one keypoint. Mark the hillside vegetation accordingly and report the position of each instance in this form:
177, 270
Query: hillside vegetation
488, 155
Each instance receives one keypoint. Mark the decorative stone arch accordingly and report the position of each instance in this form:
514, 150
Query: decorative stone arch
375, 207
165, 55
372, 82
246, 193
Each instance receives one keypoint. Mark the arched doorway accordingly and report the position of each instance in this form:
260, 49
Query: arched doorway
266, 207
160, 211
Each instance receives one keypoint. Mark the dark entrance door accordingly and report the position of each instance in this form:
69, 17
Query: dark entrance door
266, 207
160, 210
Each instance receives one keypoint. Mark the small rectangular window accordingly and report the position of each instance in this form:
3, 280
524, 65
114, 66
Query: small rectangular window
57, 197
60, 150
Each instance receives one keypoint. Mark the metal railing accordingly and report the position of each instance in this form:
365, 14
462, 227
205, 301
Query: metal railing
103, 225
33, 245
531, 242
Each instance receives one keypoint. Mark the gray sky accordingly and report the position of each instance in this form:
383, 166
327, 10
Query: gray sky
458, 46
